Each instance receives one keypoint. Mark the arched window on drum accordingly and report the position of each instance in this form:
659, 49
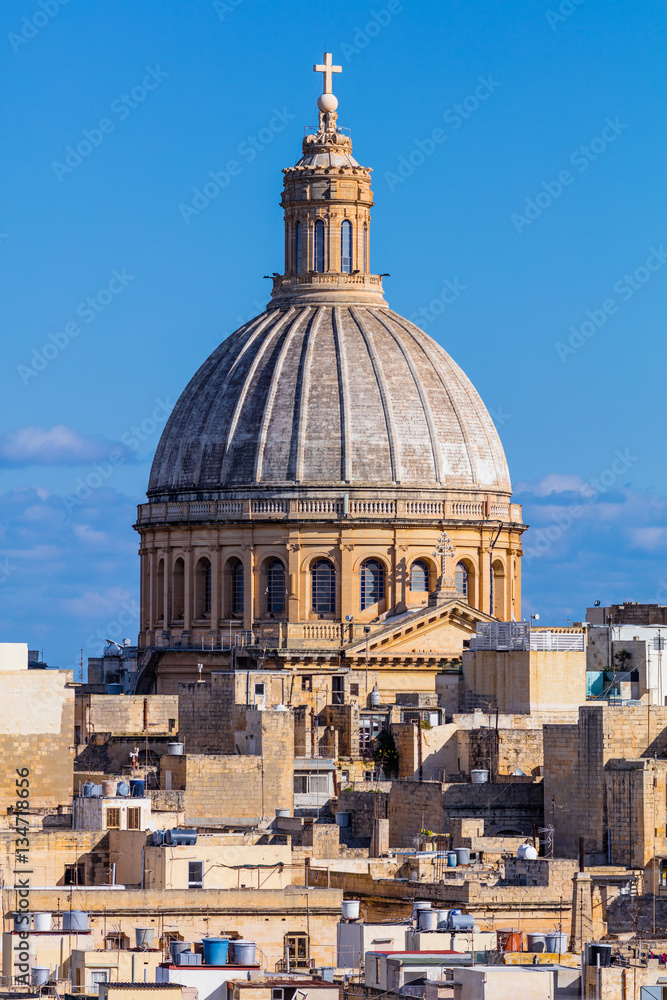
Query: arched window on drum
275, 587
461, 580
419, 575
323, 587
372, 583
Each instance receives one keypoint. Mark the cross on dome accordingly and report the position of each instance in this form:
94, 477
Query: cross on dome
326, 102
326, 70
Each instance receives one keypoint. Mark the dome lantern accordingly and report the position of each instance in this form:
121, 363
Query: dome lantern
327, 199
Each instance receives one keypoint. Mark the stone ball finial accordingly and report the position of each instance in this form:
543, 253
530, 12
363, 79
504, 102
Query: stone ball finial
327, 102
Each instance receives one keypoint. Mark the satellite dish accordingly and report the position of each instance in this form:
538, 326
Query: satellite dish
348, 618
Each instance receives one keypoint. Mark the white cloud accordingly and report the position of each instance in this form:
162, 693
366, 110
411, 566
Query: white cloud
59, 445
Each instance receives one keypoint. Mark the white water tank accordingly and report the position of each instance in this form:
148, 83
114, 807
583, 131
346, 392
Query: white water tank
41, 921
375, 697
351, 909
527, 852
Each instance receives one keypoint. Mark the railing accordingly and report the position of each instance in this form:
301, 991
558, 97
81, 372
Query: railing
334, 508
506, 636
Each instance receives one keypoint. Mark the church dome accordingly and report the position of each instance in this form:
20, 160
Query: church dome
328, 390
329, 395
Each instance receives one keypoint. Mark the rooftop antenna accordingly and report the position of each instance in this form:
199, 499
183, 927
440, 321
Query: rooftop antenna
200, 667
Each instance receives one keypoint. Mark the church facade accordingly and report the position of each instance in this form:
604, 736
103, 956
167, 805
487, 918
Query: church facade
329, 489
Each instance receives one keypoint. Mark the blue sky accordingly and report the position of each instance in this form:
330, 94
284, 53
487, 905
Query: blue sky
540, 194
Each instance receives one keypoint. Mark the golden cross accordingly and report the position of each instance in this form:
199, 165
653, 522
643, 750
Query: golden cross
326, 70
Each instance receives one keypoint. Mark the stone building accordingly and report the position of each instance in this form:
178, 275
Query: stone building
328, 468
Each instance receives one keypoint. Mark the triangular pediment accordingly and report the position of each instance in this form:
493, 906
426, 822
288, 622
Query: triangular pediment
434, 630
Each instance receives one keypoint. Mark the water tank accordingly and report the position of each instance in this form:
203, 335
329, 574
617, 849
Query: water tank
175, 749
342, 819
375, 697
109, 788
95, 790
451, 859
75, 920
282, 812
556, 942
178, 947
536, 943
479, 776
603, 950
114, 688
41, 921
427, 920
123, 788
87, 789
461, 921
40, 975
22, 921
158, 838
462, 855
508, 939
180, 838
145, 936
351, 909
421, 904
443, 919
244, 952
215, 950
527, 852
137, 787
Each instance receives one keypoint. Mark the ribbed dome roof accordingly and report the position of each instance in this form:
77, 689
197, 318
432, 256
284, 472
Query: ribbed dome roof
324, 396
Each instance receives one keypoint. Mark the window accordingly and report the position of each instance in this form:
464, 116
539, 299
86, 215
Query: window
419, 574
370, 727
346, 246
297, 248
172, 725
663, 874
275, 587
319, 247
372, 583
363, 249
115, 942
99, 976
203, 588
306, 682
337, 690
74, 875
195, 874
297, 951
134, 819
259, 690
307, 783
160, 590
659, 642
113, 819
237, 588
344, 776
323, 587
461, 580
178, 604
354, 690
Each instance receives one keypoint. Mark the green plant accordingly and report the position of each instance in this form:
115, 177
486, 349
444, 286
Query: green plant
426, 724
386, 754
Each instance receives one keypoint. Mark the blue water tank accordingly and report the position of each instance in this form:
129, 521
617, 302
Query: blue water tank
137, 788
123, 788
87, 789
179, 838
158, 839
461, 921
114, 688
215, 950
